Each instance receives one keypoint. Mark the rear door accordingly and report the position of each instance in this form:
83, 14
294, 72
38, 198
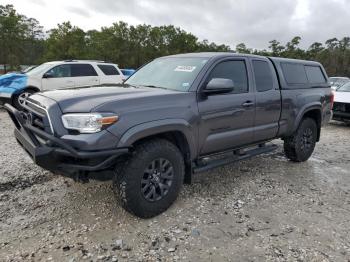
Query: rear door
227, 120
268, 100
110, 74
84, 75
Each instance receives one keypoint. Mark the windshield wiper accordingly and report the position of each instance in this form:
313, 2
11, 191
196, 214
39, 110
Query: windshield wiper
152, 86
128, 85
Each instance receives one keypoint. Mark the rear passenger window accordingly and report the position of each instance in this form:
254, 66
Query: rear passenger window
108, 70
314, 74
82, 70
263, 76
294, 73
235, 70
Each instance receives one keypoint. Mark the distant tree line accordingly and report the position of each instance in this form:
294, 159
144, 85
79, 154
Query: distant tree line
334, 54
23, 41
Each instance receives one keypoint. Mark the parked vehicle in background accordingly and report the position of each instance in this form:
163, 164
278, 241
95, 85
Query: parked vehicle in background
341, 108
23, 71
26, 70
127, 72
156, 130
16, 87
337, 82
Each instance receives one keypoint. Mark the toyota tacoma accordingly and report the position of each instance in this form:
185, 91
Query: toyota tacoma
176, 116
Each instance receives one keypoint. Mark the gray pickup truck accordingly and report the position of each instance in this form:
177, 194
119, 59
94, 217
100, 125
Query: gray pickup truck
176, 116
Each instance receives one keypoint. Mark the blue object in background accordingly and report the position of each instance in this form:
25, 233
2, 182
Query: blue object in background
128, 72
11, 84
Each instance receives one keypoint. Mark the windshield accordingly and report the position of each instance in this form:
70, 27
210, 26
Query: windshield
344, 88
337, 81
38, 70
170, 73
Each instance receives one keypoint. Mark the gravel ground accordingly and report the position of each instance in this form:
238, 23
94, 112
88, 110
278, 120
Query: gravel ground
263, 209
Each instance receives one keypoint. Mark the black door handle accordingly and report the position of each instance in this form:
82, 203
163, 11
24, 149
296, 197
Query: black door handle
248, 104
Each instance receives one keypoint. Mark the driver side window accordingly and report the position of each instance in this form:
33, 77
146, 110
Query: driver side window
60, 71
234, 70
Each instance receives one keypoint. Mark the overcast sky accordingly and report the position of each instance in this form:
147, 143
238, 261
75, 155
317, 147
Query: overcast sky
229, 22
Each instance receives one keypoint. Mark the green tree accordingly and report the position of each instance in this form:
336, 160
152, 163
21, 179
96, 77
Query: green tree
276, 48
241, 48
13, 29
65, 42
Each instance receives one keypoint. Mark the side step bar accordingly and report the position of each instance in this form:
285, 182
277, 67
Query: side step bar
211, 164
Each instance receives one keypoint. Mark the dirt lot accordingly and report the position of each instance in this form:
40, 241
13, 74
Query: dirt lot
264, 209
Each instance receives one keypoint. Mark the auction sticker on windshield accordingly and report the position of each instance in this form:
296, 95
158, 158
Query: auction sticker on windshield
185, 68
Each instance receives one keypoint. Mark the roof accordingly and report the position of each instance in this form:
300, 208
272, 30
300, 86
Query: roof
79, 61
291, 60
213, 54
232, 54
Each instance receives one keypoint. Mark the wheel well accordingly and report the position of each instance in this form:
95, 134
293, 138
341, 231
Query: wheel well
35, 89
32, 88
178, 139
316, 115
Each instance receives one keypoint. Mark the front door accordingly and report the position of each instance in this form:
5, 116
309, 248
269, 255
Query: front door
227, 120
59, 77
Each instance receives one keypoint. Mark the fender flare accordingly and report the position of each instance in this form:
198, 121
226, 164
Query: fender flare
27, 87
306, 108
37, 89
158, 127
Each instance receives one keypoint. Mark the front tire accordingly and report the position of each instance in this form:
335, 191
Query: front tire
149, 181
300, 146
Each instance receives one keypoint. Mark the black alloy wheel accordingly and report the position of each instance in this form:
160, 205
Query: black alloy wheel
157, 179
307, 140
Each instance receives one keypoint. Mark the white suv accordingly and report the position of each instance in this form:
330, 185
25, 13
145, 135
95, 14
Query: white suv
58, 75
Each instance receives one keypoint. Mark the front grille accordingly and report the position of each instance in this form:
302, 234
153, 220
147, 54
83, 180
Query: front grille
37, 116
32, 105
341, 107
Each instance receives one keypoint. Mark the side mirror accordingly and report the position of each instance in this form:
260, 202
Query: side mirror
219, 86
48, 75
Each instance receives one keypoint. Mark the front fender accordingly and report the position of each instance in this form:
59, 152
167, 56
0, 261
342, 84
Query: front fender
157, 127
13, 82
6, 92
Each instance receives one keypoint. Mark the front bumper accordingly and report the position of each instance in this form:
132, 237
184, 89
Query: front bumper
56, 155
341, 111
338, 115
5, 98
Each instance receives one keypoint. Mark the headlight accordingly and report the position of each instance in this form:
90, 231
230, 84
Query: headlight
88, 123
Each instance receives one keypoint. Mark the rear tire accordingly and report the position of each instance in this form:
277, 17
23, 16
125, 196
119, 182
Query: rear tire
300, 146
19, 99
149, 181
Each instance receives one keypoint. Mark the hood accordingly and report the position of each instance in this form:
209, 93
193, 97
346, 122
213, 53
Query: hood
93, 98
342, 97
13, 80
